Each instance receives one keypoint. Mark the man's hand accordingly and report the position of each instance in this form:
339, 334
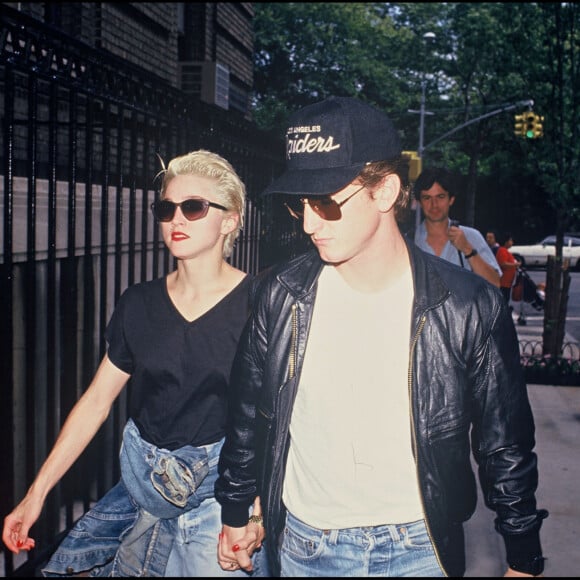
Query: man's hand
458, 239
236, 545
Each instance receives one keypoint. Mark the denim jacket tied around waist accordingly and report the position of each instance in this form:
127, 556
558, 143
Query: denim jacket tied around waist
130, 530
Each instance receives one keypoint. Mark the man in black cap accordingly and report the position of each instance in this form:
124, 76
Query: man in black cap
367, 370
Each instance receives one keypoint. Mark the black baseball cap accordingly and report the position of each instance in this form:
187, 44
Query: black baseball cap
328, 143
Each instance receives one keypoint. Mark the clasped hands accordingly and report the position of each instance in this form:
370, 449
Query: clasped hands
236, 545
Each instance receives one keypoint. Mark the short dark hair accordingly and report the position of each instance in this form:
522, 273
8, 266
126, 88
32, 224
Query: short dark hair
431, 175
503, 237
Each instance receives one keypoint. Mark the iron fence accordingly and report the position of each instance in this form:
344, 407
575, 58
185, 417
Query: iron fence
542, 369
81, 135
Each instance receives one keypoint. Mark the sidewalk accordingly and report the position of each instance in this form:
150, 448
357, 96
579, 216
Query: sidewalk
557, 417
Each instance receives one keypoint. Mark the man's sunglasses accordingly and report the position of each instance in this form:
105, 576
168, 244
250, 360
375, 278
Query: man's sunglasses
193, 209
325, 207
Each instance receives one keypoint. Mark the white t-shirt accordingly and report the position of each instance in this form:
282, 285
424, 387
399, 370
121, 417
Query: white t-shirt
350, 462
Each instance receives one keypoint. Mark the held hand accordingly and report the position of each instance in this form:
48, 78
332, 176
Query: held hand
256, 520
18, 523
236, 546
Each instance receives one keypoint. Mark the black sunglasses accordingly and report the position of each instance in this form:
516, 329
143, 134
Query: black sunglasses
193, 209
326, 207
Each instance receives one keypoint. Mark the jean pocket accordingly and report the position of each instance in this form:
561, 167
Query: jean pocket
302, 543
415, 537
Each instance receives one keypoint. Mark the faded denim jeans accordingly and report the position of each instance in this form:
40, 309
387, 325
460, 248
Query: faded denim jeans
388, 550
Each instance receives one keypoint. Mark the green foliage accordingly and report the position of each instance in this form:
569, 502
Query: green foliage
548, 370
308, 51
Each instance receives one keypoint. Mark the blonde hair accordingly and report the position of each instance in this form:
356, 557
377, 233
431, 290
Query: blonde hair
231, 189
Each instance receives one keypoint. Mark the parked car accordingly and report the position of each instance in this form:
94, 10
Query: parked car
536, 255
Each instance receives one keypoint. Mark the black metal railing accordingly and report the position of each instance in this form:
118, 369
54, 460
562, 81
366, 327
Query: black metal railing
79, 146
543, 369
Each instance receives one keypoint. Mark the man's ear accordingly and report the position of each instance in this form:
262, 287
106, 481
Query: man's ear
388, 192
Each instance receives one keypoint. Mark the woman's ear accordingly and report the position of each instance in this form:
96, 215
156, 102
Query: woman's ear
230, 223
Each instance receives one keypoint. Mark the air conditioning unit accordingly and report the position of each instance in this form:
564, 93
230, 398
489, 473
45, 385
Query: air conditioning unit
210, 81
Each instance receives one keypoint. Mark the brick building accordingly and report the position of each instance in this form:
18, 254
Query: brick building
203, 48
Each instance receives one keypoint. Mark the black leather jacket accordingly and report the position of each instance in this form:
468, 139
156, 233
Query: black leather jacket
467, 389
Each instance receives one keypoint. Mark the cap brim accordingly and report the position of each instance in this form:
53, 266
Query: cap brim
307, 182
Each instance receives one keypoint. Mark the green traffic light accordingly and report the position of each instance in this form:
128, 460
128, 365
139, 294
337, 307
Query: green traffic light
530, 119
529, 125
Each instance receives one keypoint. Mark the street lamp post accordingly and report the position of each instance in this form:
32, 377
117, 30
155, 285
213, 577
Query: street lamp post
427, 37
422, 113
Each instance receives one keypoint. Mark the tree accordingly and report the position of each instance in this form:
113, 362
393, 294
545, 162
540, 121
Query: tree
557, 76
308, 51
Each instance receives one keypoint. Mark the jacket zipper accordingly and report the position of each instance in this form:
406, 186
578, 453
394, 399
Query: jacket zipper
409, 386
294, 344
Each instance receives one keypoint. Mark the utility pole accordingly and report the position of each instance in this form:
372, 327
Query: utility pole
428, 36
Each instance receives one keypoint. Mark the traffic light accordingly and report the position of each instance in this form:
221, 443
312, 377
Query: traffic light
538, 127
519, 125
414, 164
530, 125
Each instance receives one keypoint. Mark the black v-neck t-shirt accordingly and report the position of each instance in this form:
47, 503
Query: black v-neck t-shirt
180, 370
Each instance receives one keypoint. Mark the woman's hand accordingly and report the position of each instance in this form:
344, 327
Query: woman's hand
236, 545
18, 523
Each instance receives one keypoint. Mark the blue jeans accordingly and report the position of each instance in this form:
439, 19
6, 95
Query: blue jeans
194, 550
91, 544
393, 550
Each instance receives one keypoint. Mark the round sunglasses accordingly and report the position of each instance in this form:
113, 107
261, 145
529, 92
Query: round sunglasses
193, 209
325, 207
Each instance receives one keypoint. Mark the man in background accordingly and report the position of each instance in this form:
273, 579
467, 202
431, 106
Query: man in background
491, 239
439, 235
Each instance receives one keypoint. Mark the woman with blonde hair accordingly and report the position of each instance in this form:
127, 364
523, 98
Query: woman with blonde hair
171, 341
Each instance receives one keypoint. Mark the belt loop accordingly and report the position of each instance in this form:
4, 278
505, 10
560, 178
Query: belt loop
332, 536
394, 531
